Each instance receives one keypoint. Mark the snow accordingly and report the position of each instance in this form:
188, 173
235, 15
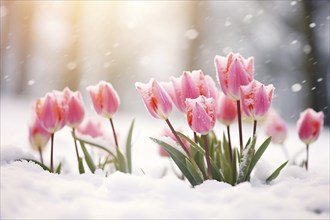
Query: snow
27, 191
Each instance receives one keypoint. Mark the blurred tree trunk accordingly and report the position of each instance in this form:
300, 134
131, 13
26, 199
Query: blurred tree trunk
19, 28
72, 70
193, 12
316, 66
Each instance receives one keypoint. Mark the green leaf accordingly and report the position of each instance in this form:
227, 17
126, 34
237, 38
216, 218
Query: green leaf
179, 159
94, 145
245, 162
258, 154
192, 143
194, 172
58, 169
129, 147
43, 166
121, 161
199, 160
88, 157
216, 174
81, 166
275, 174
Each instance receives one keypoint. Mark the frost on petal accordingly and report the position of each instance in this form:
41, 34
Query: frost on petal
145, 91
164, 105
222, 73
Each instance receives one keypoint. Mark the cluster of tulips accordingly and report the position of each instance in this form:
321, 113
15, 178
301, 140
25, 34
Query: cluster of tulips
195, 94
66, 108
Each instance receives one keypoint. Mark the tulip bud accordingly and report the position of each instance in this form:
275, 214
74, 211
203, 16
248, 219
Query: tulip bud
309, 125
256, 99
155, 98
51, 113
275, 127
38, 136
105, 99
201, 114
226, 109
233, 71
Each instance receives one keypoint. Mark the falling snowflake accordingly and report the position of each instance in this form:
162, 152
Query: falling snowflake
312, 25
191, 34
296, 87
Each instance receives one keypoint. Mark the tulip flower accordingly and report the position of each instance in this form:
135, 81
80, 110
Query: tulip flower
51, 114
201, 119
158, 103
226, 113
105, 101
90, 128
52, 117
234, 71
190, 85
38, 137
155, 98
201, 114
226, 109
276, 127
75, 107
256, 99
309, 124
75, 112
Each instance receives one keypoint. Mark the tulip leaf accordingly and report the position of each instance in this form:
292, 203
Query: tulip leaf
43, 166
179, 159
121, 161
58, 169
88, 157
245, 162
81, 166
94, 145
199, 160
192, 143
129, 147
216, 174
275, 174
194, 172
258, 154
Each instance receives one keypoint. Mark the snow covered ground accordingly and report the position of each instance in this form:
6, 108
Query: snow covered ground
29, 192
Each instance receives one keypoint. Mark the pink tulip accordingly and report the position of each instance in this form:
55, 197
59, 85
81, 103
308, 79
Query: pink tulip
309, 125
201, 114
51, 113
90, 128
38, 136
75, 108
256, 99
155, 98
234, 71
275, 127
105, 99
190, 85
226, 109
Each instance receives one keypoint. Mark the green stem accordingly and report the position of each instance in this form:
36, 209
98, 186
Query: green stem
75, 144
195, 137
207, 155
177, 137
239, 115
40, 154
307, 155
254, 128
51, 152
114, 132
229, 144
